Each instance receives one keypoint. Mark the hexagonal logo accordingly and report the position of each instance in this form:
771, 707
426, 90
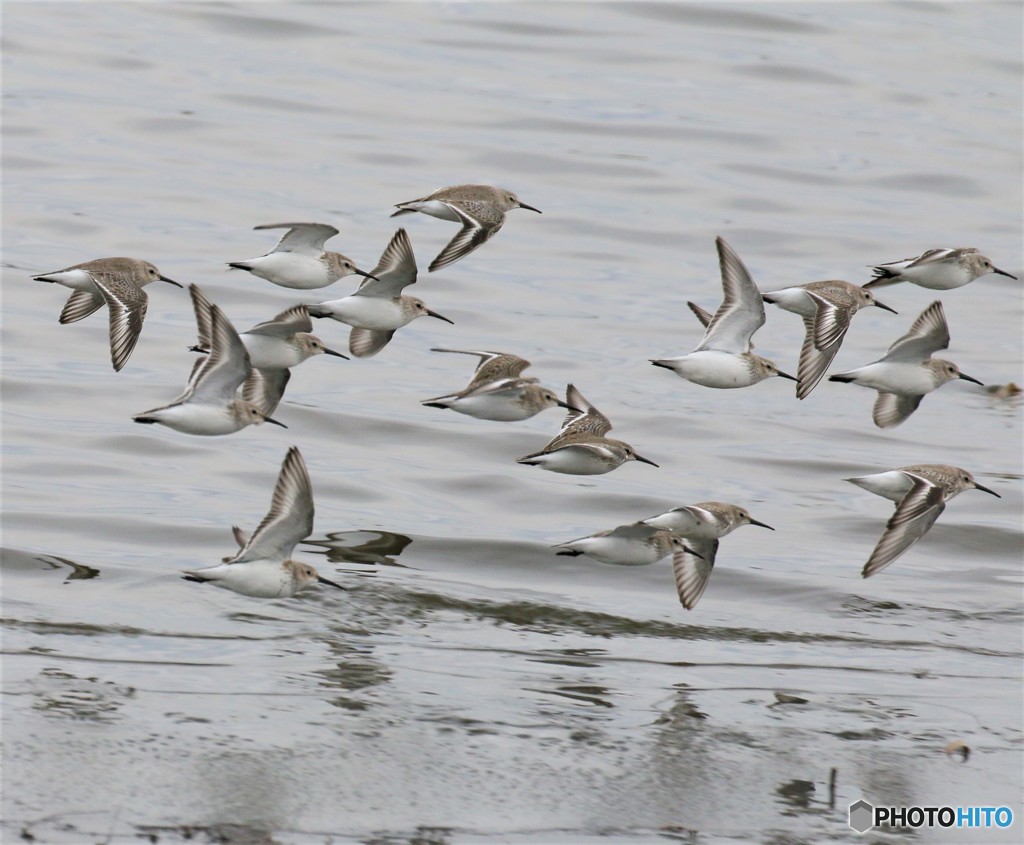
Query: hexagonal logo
862, 816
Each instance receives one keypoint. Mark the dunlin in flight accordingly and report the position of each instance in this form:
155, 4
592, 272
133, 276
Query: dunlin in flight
723, 358
938, 269
119, 283
262, 567
379, 308
497, 391
210, 404
299, 260
827, 309
637, 544
479, 208
907, 371
581, 447
702, 525
920, 492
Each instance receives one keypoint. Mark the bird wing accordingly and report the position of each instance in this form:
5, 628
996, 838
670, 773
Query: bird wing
633, 531
225, 368
915, 513
493, 365
265, 387
395, 271
80, 305
499, 366
691, 572
584, 419
302, 238
893, 408
127, 305
700, 313
201, 307
468, 238
928, 334
831, 321
813, 361
931, 256
290, 518
742, 310
509, 386
286, 324
365, 343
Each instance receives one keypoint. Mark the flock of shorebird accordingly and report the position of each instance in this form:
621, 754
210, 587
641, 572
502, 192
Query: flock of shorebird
240, 378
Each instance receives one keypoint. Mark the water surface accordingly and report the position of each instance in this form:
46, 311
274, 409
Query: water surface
472, 686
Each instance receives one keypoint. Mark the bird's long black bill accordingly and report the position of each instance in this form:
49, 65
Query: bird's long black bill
978, 486
646, 461
1003, 273
335, 354
569, 407
885, 307
966, 377
439, 316
364, 273
781, 374
323, 580
761, 524
274, 422
178, 285
530, 208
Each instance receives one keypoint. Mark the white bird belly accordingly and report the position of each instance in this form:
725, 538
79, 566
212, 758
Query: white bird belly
259, 579
498, 408
197, 418
796, 300
905, 379
893, 485
435, 208
291, 270
576, 460
369, 312
714, 368
74, 279
617, 551
271, 353
937, 276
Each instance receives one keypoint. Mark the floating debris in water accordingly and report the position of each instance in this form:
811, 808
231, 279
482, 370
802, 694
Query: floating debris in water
1003, 391
958, 746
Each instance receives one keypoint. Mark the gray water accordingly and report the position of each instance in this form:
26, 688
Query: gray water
472, 687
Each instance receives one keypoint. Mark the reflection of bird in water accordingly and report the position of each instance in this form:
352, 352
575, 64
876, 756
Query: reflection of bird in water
796, 793
79, 571
351, 547
1003, 391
